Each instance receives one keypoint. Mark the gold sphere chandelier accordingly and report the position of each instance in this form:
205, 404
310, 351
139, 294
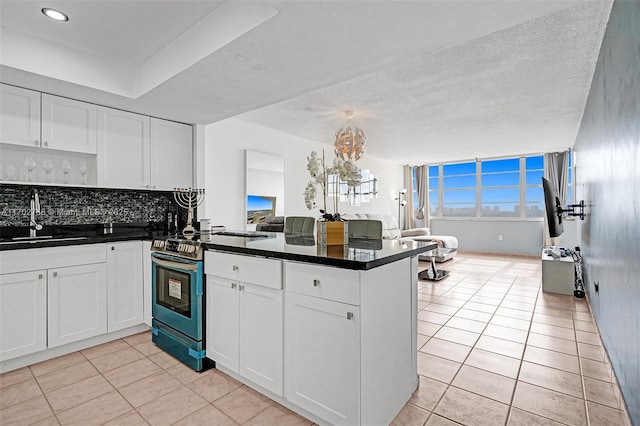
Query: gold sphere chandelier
350, 141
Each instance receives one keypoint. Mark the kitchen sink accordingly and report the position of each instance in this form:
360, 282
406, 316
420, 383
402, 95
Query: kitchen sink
41, 239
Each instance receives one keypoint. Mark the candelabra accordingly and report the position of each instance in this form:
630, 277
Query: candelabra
189, 199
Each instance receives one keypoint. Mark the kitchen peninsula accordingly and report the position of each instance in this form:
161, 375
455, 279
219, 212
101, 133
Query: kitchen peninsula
328, 332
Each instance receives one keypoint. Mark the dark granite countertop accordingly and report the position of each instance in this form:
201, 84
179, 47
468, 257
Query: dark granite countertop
78, 234
359, 254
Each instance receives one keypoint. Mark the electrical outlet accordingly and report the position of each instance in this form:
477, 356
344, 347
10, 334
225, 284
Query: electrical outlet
499, 237
596, 286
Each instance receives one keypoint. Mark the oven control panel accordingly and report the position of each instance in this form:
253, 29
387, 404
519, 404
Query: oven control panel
184, 248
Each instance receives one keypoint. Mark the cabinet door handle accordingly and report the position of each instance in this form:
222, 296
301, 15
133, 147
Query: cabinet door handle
241, 288
55, 274
46, 143
316, 283
113, 248
233, 285
36, 142
235, 268
349, 315
40, 276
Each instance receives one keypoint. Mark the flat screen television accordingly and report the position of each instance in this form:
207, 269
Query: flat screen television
553, 208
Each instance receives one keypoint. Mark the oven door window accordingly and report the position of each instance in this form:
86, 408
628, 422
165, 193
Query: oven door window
173, 290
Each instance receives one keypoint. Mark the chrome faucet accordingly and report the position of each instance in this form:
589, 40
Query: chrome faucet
35, 209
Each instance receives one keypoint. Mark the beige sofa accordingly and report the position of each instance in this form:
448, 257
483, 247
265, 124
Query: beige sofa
390, 230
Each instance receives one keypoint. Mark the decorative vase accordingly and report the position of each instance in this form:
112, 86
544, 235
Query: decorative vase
332, 233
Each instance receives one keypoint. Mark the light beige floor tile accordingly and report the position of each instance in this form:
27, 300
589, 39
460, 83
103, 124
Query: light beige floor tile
186, 374
56, 363
67, 376
568, 347
588, 338
445, 349
428, 393
49, 421
484, 383
510, 322
500, 346
214, 386
520, 299
426, 297
410, 415
553, 331
78, 393
522, 418
147, 348
468, 408
507, 333
494, 363
587, 326
428, 328
457, 336
480, 307
105, 348
601, 392
139, 338
436, 420
466, 324
132, 372
19, 392
460, 294
595, 353
514, 313
116, 359
278, 415
132, 418
510, 304
421, 340
550, 404
552, 359
473, 315
583, 316
171, 407
553, 320
15, 376
441, 309
241, 404
561, 313
437, 368
485, 300
450, 301
150, 388
551, 378
209, 415
27, 412
96, 411
433, 317
601, 415
164, 360
596, 370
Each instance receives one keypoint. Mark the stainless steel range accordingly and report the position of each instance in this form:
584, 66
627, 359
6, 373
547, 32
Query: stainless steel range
178, 299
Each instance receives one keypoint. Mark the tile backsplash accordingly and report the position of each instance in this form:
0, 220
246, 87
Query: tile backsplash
71, 206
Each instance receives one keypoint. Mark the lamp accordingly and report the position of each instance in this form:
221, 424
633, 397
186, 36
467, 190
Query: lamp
350, 141
401, 203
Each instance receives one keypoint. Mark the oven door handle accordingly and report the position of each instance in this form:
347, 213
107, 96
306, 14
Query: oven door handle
176, 265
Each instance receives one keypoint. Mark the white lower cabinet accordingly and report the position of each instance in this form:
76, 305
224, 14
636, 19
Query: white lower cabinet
77, 303
323, 357
245, 319
125, 292
23, 302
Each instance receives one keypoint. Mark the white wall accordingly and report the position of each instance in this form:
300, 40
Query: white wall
224, 173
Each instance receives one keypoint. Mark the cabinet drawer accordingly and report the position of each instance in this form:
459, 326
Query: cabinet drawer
248, 269
51, 257
341, 285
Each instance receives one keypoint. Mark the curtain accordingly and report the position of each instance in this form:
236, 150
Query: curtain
406, 213
556, 165
422, 189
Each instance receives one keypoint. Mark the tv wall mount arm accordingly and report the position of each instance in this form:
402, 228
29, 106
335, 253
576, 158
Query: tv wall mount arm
572, 209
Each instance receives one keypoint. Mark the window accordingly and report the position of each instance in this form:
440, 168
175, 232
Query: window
459, 189
506, 187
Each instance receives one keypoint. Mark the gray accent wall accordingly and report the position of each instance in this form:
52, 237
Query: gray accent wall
608, 178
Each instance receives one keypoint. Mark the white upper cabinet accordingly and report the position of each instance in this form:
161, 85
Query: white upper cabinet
171, 155
123, 149
69, 125
19, 116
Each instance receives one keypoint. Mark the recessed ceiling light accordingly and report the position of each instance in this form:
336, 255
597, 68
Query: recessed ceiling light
56, 15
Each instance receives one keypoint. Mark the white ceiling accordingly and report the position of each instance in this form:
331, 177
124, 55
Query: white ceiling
429, 80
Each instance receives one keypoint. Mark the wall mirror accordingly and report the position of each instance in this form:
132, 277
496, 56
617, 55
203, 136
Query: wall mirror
264, 187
